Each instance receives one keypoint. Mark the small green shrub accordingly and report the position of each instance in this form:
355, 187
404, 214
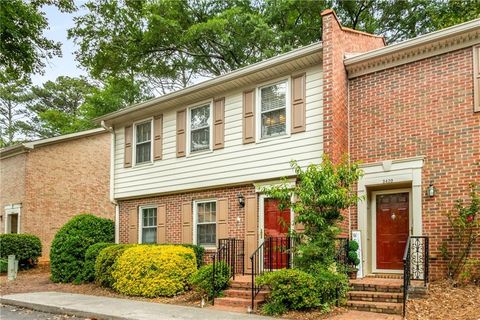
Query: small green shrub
3, 265
470, 272
199, 253
90, 258
352, 253
67, 255
332, 285
291, 289
154, 270
26, 248
202, 279
104, 264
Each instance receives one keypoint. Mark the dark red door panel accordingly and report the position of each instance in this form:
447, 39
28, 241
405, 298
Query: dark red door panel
276, 225
392, 218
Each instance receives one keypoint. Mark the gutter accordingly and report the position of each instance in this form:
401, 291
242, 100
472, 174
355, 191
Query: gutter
112, 182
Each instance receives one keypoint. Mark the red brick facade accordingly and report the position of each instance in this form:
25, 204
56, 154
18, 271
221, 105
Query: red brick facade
173, 202
56, 182
423, 108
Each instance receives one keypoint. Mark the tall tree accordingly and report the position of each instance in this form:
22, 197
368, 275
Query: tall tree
55, 107
23, 47
12, 97
170, 44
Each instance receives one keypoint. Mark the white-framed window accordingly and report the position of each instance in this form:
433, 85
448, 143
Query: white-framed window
143, 133
12, 219
205, 229
200, 127
273, 104
148, 225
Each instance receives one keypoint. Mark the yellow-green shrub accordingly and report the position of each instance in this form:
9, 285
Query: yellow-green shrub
152, 271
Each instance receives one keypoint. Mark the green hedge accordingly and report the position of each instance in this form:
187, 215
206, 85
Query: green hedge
105, 262
3, 265
202, 279
199, 253
67, 255
26, 248
90, 257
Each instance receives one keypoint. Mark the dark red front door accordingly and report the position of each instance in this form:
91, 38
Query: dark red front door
392, 229
276, 225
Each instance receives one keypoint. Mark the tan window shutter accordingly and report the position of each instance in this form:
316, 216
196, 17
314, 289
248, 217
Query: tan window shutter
127, 155
249, 116
218, 123
157, 140
161, 222
476, 79
133, 225
251, 242
298, 103
181, 132
187, 231
222, 219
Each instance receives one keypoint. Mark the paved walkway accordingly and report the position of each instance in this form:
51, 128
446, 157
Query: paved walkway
116, 309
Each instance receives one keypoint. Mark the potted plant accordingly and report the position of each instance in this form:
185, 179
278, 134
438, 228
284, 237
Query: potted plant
353, 260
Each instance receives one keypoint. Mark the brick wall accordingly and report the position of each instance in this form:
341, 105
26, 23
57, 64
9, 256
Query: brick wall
63, 180
12, 188
337, 41
424, 108
174, 202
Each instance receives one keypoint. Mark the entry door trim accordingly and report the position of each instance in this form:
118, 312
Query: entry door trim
261, 218
373, 213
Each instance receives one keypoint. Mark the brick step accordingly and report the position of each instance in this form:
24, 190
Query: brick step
395, 297
246, 294
379, 307
385, 276
236, 302
241, 285
372, 287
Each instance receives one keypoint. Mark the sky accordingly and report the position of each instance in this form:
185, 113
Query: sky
66, 65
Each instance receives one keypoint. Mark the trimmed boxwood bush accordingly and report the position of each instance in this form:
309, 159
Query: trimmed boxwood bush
105, 262
153, 271
3, 265
26, 248
202, 279
90, 258
67, 255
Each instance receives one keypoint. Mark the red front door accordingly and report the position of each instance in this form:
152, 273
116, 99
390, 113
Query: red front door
392, 218
276, 225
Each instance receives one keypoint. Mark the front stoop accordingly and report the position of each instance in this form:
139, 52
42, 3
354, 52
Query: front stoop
238, 296
376, 294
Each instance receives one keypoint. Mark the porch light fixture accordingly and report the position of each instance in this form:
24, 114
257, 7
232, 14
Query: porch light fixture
241, 200
431, 190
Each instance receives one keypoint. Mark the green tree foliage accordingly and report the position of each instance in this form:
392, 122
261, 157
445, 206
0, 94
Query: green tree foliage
321, 193
55, 107
23, 47
13, 95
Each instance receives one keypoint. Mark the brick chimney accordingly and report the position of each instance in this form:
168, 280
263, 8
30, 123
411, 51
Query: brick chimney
337, 41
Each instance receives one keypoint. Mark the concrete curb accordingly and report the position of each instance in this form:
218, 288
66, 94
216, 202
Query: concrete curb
60, 310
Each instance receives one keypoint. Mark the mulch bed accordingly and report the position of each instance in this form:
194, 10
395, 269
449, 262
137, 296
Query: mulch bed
445, 301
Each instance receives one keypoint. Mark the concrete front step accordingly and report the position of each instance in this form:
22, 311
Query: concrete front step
374, 306
395, 297
236, 302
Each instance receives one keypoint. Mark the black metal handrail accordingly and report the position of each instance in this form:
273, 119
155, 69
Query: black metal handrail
273, 254
341, 247
416, 263
231, 253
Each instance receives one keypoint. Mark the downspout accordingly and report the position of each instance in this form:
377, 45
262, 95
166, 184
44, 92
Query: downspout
112, 183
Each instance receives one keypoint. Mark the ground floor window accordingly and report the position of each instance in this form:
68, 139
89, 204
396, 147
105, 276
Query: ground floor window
149, 225
206, 220
12, 223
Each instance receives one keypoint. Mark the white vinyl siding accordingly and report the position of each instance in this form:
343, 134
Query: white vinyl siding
236, 162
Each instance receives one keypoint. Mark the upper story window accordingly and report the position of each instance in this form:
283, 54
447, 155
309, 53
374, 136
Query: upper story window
200, 131
206, 220
273, 110
149, 225
143, 142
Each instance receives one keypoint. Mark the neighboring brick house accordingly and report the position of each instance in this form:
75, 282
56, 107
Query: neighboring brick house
190, 165
44, 183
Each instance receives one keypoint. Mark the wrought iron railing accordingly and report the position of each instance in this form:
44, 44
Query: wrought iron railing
230, 253
341, 247
415, 264
273, 254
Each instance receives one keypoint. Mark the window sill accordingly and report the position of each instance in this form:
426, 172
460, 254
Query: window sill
280, 137
143, 164
197, 153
